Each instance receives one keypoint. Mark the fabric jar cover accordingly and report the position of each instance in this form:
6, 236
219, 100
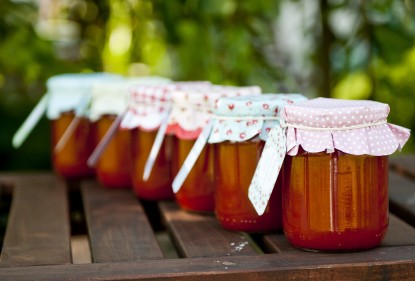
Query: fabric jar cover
66, 92
192, 108
147, 105
353, 126
111, 97
254, 111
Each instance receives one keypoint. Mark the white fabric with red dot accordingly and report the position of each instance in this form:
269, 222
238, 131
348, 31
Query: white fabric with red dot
242, 118
192, 108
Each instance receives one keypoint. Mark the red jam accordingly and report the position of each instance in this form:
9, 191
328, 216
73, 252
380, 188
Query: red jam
196, 193
158, 185
335, 202
113, 167
70, 161
235, 164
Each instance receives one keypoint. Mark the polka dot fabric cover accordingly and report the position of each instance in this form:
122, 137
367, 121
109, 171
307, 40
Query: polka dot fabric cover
376, 140
249, 109
192, 108
148, 105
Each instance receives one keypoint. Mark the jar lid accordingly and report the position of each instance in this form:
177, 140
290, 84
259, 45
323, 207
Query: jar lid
258, 114
352, 126
147, 105
111, 97
192, 108
67, 92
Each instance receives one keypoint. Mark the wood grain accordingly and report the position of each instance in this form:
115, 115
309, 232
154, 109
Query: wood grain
402, 197
201, 235
403, 164
117, 225
38, 231
390, 263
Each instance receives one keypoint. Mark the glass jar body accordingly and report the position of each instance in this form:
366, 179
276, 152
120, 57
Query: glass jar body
70, 161
196, 193
235, 165
335, 201
113, 167
158, 185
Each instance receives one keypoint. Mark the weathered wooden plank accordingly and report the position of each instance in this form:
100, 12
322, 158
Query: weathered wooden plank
117, 225
38, 231
389, 263
8, 179
277, 243
399, 233
402, 197
201, 235
403, 164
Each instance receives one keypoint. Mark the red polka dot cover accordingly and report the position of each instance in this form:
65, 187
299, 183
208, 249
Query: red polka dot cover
192, 108
242, 118
353, 126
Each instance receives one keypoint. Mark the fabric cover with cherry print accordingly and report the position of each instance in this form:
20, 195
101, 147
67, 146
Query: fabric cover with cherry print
148, 105
253, 110
314, 119
192, 108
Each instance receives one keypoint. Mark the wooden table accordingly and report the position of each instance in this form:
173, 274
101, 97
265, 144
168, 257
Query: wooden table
123, 239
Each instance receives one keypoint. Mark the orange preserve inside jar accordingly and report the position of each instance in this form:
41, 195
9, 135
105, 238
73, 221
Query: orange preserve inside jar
112, 156
148, 106
337, 200
240, 129
158, 185
68, 100
196, 193
70, 160
235, 166
191, 111
113, 167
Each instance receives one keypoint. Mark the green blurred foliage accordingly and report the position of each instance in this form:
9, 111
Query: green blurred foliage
224, 41
26, 61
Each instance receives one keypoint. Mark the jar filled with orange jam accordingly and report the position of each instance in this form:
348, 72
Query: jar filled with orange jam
191, 111
335, 178
109, 101
240, 129
148, 107
72, 134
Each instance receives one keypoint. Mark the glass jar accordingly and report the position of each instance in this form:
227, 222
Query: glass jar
196, 193
335, 181
235, 164
239, 133
70, 161
158, 185
190, 113
68, 98
148, 107
335, 201
109, 100
113, 167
